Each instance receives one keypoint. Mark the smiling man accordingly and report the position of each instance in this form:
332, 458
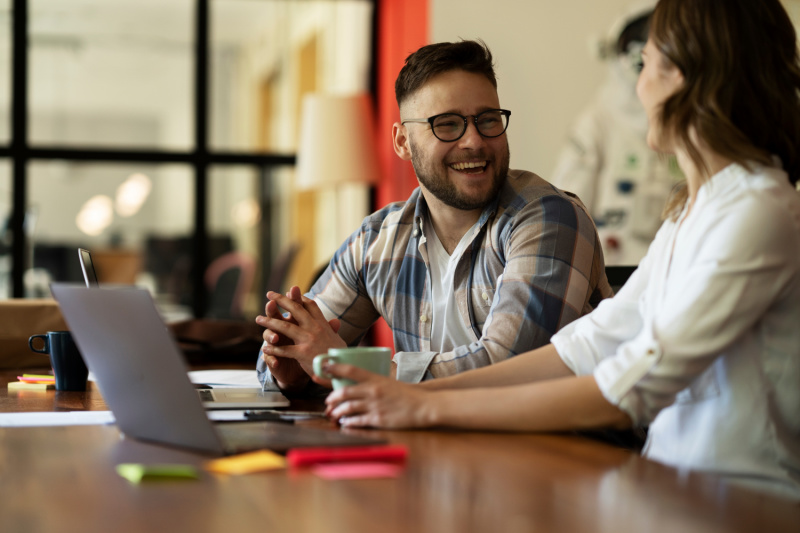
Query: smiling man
479, 264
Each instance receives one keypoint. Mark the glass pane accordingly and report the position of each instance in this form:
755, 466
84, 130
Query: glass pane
135, 218
5, 232
5, 71
264, 56
111, 73
235, 213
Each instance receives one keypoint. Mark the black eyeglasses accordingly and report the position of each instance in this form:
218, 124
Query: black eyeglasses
450, 127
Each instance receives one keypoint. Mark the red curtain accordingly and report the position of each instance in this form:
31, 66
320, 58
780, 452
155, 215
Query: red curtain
402, 29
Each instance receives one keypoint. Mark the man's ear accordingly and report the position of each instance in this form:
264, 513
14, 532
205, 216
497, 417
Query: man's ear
401, 142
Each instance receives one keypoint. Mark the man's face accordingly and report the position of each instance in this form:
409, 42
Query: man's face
465, 174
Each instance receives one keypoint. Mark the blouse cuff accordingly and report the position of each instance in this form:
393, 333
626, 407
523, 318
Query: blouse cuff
618, 376
572, 348
412, 366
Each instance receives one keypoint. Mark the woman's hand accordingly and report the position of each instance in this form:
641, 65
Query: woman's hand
377, 401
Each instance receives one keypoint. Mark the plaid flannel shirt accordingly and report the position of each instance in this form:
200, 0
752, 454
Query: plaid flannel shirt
534, 264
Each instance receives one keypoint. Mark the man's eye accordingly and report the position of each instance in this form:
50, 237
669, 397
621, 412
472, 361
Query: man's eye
447, 125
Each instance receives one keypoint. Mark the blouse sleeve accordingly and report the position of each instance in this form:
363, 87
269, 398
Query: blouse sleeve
732, 265
726, 270
585, 342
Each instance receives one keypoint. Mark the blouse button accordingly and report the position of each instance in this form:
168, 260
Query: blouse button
423, 318
485, 296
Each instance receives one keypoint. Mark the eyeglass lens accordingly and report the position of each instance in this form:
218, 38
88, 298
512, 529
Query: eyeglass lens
451, 126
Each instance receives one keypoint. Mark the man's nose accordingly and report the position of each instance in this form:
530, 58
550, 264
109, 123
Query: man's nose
472, 136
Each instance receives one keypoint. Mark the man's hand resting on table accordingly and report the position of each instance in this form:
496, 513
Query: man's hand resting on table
292, 341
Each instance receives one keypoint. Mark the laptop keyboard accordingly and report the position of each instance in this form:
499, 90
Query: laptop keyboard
205, 395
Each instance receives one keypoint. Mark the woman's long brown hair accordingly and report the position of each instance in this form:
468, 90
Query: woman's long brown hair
739, 61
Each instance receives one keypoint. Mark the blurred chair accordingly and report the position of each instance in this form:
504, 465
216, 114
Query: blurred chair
229, 278
618, 275
116, 266
280, 268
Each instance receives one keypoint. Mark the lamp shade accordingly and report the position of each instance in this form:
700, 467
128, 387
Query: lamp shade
337, 135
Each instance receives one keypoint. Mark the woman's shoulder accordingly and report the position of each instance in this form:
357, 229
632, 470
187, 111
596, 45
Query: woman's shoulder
766, 192
757, 207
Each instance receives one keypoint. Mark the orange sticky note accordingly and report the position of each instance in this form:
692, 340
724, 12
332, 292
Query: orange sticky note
246, 463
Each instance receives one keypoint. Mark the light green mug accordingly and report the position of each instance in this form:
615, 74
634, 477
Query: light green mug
377, 360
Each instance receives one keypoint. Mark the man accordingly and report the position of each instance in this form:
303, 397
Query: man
479, 264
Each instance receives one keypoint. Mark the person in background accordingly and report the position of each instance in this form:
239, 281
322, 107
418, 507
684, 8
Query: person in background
702, 343
480, 264
606, 161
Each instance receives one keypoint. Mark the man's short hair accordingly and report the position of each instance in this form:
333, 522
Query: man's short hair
435, 59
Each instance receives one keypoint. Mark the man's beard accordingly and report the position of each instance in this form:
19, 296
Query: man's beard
438, 183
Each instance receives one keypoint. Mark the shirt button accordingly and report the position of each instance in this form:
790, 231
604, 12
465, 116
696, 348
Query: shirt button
485, 296
423, 318
415, 232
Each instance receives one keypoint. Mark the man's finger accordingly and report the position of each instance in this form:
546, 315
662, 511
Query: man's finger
286, 329
295, 308
312, 308
295, 294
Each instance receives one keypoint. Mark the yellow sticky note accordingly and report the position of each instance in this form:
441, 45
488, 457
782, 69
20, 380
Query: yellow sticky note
246, 463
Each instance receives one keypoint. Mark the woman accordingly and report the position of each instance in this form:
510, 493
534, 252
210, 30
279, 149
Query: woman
703, 342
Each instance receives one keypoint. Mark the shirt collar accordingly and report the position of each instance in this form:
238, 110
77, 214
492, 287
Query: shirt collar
421, 210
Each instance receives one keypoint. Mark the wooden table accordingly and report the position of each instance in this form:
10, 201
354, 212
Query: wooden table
63, 480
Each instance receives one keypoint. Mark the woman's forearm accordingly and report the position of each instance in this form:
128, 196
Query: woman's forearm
555, 405
540, 364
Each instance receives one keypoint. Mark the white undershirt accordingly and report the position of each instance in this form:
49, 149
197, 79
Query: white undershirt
448, 330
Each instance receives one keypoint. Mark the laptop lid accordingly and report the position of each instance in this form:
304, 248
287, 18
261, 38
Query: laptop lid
87, 267
137, 366
143, 378
217, 398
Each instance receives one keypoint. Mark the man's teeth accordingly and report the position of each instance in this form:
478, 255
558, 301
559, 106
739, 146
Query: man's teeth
464, 166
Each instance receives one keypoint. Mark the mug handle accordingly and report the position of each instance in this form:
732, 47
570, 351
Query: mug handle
46, 349
319, 363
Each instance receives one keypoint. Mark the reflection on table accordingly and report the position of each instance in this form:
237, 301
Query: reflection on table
63, 479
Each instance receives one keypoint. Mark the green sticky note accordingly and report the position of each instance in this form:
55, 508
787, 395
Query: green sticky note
136, 472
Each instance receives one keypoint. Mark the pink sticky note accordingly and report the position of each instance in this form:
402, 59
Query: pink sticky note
356, 470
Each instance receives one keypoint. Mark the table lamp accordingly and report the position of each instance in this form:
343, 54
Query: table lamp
336, 146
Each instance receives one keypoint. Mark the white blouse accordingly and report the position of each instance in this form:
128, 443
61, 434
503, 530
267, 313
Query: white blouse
703, 342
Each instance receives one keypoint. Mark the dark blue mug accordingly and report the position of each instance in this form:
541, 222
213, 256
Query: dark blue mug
68, 365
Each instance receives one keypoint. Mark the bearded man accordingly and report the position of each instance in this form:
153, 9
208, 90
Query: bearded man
481, 263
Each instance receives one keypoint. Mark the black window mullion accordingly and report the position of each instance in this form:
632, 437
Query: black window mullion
19, 144
200, 236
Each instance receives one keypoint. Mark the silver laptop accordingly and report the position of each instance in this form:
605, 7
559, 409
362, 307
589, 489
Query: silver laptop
144, 380
212, 398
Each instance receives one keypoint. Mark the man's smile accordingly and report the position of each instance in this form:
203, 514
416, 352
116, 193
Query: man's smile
469, 167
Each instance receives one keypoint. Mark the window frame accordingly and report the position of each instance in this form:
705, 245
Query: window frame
19, 152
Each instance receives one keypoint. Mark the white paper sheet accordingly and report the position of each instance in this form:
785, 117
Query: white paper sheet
90, 418
60, 418
225, 378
